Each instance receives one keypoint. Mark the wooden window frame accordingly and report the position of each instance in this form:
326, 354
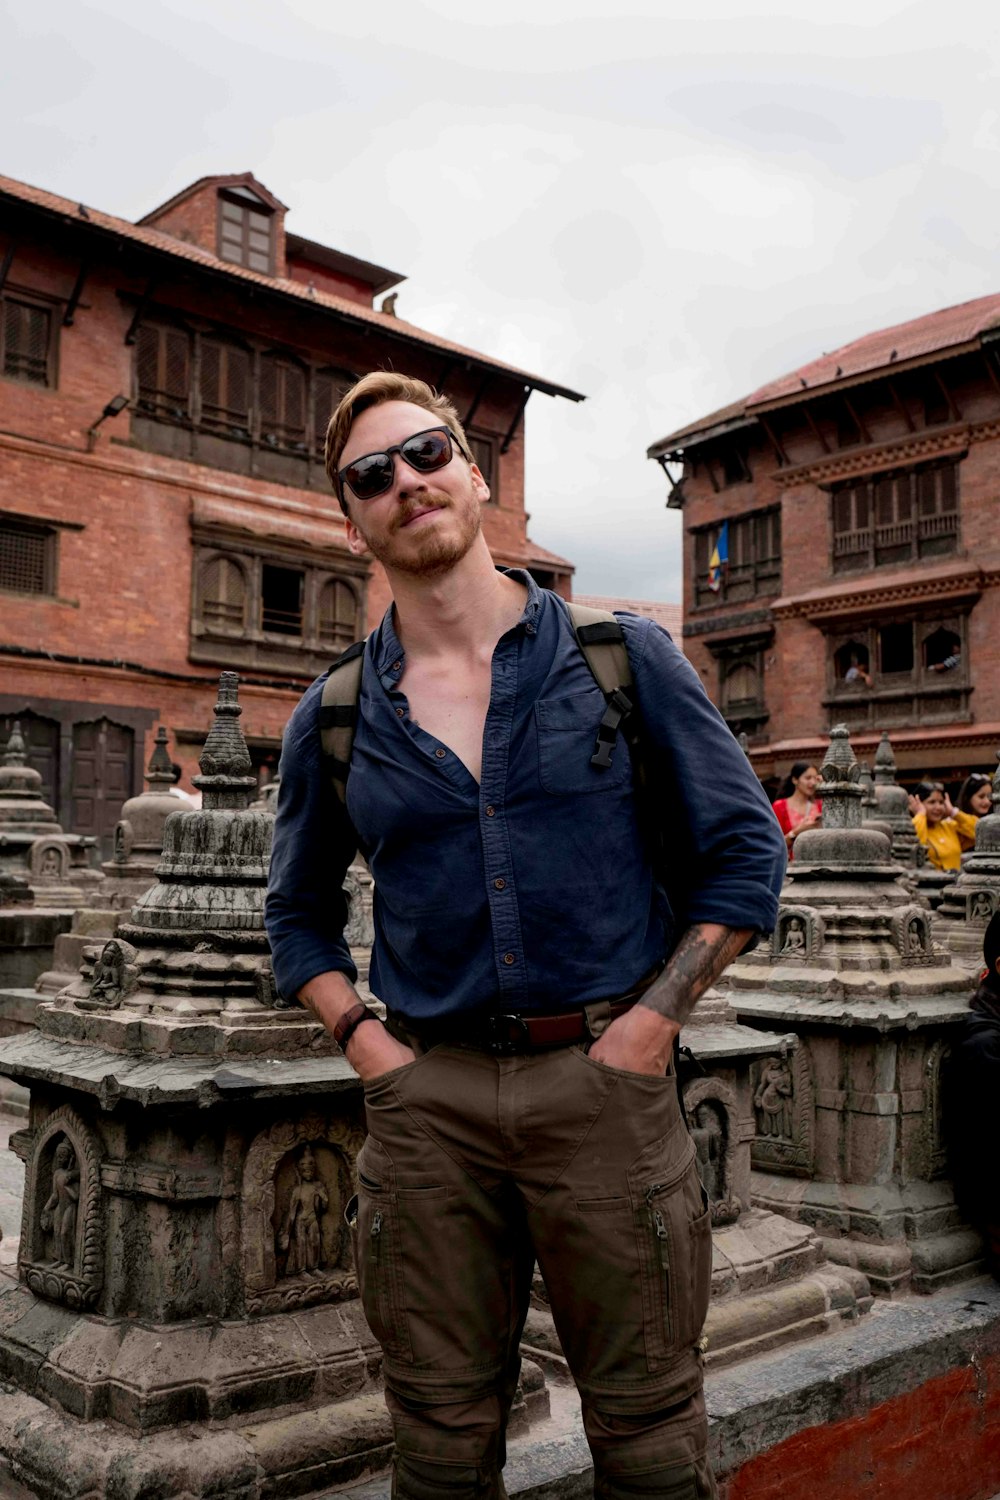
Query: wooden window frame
492, 442
903, 538
236, 200
49, 537
761, 573
21, 297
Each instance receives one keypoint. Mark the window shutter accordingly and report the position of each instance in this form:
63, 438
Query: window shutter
223, 594
338, 614
26, 335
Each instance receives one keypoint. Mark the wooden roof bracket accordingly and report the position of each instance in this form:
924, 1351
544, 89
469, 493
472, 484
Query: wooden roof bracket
515, 424
8, 261
132, 332
772, 438
76, 294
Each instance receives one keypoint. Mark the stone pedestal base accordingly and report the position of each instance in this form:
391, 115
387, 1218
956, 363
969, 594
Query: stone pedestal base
903, 1239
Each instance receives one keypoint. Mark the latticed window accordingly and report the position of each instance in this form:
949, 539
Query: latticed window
282, 393
27, 558
753, 558
338, 614
163, 370
896, 517
223, 594
225, 387
328, 387
26, 340
245, 231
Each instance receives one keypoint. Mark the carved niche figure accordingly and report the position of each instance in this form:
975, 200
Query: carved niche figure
123, 841
58, 1217
796, 934
795, 938
916, 936
711, 1110
980, 906
114, 975
49, 859
772, 1098
299, 1237
708, 1134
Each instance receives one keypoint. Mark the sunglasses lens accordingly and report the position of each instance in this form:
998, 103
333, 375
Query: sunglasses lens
370, 476
427, 451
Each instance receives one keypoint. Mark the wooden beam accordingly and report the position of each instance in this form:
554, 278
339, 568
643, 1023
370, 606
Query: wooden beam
989, 360
772, 438
7, 262
866, 436
132, 331
477, 398
710, 467
898, 404
447, 370
956, 415
817, 434
75, 295
515, 424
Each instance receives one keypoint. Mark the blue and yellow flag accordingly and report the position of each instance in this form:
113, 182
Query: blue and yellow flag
719, 559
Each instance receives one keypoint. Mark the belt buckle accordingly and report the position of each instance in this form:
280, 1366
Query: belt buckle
500, 1042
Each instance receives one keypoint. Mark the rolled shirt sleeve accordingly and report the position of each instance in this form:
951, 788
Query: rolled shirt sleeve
314, 842
725, 854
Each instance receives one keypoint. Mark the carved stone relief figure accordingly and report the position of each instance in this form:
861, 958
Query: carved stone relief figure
795, 938
709, 1136
62, 1227
784, 1113
980, 906
58, 1217
49, 859
797, 934
711, 1110
115, 974
123, 842
299, 1237
916, 939
913, 936
772, 1098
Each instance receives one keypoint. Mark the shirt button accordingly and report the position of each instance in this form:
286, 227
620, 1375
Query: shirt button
500, 884
529, 629
400, 712
396, 666
440, 754
490, 811
508, 958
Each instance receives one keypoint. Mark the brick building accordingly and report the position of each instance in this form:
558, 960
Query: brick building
164, 513
861, 498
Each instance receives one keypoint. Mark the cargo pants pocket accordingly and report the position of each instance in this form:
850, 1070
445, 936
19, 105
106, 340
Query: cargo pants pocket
673, 1230
377, 1250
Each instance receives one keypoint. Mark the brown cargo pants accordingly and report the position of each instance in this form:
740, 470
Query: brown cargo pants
474, 1166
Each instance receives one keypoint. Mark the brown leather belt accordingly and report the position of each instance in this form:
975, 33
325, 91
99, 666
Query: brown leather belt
506, 1033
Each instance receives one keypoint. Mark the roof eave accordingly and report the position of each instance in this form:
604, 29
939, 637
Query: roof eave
679, 442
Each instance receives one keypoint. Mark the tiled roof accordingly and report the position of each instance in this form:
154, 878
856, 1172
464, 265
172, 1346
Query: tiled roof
158, 241
948, 329
670, 616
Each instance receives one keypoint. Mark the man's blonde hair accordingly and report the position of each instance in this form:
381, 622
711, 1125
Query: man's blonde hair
373, 390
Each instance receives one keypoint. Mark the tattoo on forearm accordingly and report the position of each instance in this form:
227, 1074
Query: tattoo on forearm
697, 961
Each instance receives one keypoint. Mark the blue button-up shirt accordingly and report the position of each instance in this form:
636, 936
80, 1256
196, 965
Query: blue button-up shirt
531, 890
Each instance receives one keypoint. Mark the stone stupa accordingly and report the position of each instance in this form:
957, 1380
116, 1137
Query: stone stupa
34, 851
854, 1144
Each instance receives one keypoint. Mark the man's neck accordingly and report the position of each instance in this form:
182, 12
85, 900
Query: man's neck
466, 609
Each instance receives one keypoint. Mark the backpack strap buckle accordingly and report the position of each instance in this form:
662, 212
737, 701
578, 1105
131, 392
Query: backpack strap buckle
616, 710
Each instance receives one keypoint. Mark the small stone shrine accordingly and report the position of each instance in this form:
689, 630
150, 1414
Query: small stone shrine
968, 905
34, 851
891, 805
849, 1125
189, 1154
139, 833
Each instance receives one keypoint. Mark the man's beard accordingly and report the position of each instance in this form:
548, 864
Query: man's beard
435, 554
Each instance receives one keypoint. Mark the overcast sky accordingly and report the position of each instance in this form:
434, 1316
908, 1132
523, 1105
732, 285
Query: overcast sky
662, 208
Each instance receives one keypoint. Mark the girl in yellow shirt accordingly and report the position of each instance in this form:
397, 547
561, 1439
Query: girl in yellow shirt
941, 828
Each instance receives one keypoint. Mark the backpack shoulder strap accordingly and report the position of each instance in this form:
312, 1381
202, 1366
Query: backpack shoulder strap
600, 638
338, 714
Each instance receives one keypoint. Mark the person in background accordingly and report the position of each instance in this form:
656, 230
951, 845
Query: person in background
799, 809
949, 663
976, 796
943, 830
858, 672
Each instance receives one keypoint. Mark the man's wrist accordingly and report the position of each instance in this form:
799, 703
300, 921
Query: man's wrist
349, 1023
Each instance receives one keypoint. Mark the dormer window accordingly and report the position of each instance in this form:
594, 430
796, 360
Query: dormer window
245, 230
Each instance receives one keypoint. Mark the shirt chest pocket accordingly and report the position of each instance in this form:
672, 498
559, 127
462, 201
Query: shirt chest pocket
567, 738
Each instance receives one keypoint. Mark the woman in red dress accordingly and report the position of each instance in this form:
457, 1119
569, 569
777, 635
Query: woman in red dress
800, 808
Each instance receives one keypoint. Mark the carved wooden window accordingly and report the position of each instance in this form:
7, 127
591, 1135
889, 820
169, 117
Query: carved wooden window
26, 341
163, 371
282, 597
741, 687
223, 595
328, 387
282, 401
895, 649
754, 566
337, 622
896, 517
27, 557
245, 231
225, 385
483, 447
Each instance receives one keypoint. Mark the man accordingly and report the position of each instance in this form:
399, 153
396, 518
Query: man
521, 1103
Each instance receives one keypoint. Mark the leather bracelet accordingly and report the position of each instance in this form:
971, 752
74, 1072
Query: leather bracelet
349, 1023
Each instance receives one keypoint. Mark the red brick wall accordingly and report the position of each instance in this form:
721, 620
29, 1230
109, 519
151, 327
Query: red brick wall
939, 1442
196, 219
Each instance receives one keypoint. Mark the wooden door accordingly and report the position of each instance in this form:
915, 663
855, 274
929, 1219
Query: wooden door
101, 779
41, 742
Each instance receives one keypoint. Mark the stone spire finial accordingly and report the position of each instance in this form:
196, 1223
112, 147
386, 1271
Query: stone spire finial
160, 771
227, 778
840, 789
885, 763
15, 753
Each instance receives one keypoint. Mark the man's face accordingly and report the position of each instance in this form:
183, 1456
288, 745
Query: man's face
424, 523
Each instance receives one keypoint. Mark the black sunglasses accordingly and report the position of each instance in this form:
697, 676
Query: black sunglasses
426, 451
